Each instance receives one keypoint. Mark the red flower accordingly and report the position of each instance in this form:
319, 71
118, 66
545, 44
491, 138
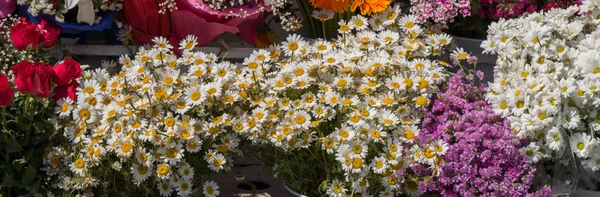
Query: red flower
24, 33
66, 91
33, 78
66, 71
6, 92
45, 73
51, 32
25, 77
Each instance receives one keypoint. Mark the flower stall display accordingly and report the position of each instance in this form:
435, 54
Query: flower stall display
340, 117
546, 83
149, 128
481, 154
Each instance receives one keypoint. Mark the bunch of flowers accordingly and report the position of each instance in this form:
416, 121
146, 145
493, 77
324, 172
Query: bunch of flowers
151, 124
474, 15
482, 157
26, 35
546, 81
352, 105
25, 122
88, 11
441, 12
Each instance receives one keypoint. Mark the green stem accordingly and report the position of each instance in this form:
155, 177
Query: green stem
323, 26
4, 117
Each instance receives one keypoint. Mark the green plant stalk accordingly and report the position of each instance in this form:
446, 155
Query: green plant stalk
4, 118
324, 34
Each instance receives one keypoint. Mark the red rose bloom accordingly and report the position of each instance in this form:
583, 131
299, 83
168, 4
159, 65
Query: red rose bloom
24, 33
69, 91
33, 78
6, 92
25, 77
45, 73
66, 71
50, 33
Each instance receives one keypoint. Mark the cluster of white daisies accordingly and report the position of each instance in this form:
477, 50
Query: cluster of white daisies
152, 121
546, 80
358, 98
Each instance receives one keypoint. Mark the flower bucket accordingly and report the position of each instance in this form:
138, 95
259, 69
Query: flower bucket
294, 193
71, 28
485, 62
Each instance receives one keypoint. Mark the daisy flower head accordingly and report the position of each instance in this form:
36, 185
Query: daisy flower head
210, 189
63, 107
359, 22
323, 15
336, 189
162, 43
188, 43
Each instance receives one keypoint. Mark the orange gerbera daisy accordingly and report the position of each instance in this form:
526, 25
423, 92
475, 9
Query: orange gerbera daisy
367, 7
339, 6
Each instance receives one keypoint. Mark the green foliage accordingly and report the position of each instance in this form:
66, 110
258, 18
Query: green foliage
25, 131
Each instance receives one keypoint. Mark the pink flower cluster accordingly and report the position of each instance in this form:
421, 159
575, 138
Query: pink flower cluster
483, 157
440, 12
496, 9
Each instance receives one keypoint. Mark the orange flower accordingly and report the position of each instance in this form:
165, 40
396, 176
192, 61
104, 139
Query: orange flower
339, 6
367, 7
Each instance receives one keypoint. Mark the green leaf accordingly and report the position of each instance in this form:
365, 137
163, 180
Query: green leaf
37, 139
18, 164
28, 154
12, 146
29, 175
8, 181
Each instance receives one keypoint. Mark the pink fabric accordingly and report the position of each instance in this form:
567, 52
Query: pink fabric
194, 17
7, 7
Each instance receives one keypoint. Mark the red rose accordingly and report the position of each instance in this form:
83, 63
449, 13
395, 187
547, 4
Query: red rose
50, 33
24, 33
66, 91
25, 77
45, 73
33, 78
6, 92
66, 71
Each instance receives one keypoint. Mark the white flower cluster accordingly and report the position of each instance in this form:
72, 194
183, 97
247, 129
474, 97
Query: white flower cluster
151, 121
546, 80
358, 99
52, 7
9, 55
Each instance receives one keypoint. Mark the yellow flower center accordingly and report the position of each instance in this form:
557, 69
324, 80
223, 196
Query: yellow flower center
79, 163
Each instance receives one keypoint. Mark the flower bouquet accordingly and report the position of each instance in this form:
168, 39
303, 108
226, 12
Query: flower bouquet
546, 84
150, 126
25, 122
340, 118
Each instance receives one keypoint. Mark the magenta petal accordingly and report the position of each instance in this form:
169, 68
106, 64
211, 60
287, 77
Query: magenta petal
7, 7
